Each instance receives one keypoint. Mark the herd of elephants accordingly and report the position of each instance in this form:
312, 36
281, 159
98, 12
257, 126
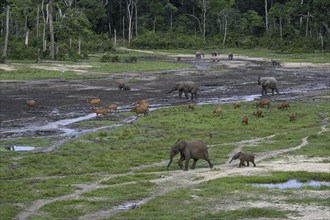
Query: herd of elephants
197, 149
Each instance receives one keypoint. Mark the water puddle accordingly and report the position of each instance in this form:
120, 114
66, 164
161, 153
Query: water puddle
292, 184
130, 205
20, 148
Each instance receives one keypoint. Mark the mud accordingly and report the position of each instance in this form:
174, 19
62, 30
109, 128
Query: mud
62, 102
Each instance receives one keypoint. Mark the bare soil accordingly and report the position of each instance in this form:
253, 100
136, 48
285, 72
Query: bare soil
223, 81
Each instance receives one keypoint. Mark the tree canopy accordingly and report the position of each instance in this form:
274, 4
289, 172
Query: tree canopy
285, 25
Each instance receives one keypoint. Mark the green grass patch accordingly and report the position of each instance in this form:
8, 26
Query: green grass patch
210, 200
147, 142
95, 200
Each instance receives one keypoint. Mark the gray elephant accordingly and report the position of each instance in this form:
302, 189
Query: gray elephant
230, 56
189, 150
248, 157
268, 83
123, 86
199, 55
275, 62
186, 87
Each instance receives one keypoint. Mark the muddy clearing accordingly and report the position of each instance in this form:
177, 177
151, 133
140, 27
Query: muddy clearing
63, 102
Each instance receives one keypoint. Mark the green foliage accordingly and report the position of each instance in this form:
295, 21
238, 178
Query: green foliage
107, 58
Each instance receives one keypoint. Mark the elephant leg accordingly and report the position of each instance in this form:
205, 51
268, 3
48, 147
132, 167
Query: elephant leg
187, 163
272, 91
248, 163
186, 94
180, 93
241, 162
180, 161
252, 161
210, 163
194, 164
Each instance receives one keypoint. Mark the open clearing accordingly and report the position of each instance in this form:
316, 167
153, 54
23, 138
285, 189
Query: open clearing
220, 82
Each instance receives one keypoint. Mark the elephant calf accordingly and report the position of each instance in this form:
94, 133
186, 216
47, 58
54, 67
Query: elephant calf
189, 150
248, 157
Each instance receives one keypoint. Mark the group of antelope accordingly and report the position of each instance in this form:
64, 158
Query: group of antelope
141, 107
101, 110
258, 113
266, 102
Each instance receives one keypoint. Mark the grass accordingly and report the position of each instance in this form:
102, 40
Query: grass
28, 71
101, 199
209, 200
147, 142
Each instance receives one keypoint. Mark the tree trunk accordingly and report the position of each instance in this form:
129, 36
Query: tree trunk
321, 38
79, 46
123, 29
266, 14
5, 45
130, 7
154, 24
281, 31
225, 35
204, 21
51, 30
115, 33
37, 20
136, 19
26, 39
44, 27
307, 23
171, 21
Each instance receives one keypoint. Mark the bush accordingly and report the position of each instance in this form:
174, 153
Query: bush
130, 59
107, 58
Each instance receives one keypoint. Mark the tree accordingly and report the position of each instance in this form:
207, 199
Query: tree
171, 9
5, 45
130, 8
51, 30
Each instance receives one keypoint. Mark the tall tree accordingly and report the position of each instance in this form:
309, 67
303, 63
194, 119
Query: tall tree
51, 30
266, 14
5, 45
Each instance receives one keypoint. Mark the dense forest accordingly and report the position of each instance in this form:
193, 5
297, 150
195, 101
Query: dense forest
61, 29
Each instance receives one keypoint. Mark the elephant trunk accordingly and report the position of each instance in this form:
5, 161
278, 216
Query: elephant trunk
231, 160
172, 154
172, 90
171, 159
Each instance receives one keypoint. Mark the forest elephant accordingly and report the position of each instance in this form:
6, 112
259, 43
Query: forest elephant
199, 55
186, 87
195, 150
123, 86
230, 56
268, 83
275, 62
248, 157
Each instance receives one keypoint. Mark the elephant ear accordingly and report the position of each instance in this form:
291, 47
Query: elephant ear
182, 145
179, 86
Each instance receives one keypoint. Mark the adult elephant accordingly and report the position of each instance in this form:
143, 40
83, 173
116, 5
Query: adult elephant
268, 83
186, 87
195, 150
